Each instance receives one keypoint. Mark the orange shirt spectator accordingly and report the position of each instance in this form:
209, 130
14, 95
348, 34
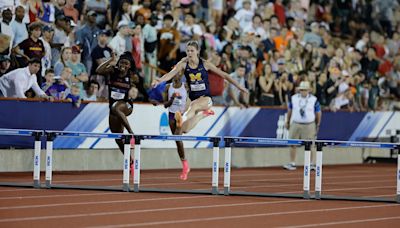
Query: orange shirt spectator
70, 11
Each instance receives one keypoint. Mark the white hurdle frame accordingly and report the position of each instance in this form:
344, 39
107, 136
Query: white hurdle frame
37, 134
215, 162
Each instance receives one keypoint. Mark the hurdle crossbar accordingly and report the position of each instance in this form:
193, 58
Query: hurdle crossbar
51, 135
215, 163
230, 141
319, 161
37, 134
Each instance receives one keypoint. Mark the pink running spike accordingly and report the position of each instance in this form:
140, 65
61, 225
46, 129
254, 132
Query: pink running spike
185, 170
208, 112
132, 142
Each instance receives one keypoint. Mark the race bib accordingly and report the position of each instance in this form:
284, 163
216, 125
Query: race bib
177, 102
117, 95
198, 87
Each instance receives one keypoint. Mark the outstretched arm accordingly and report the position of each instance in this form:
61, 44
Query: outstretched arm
107, 66
224, 75
168, 76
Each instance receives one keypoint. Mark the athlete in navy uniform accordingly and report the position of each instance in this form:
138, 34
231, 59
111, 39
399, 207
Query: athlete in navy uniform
196, 74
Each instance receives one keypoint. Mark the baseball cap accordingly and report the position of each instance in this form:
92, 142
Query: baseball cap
122, 24
92, 13
47, 28
4, 58
75, 49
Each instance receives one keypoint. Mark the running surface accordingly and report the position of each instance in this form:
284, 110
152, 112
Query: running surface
22, 207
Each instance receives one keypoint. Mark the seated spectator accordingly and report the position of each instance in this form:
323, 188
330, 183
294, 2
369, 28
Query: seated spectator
19, 26
17, 82
61, 86
5, 63
74, 95
49, 79
91, 93
66, 53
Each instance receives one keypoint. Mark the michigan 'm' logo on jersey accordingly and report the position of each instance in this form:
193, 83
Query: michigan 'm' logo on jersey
195, 77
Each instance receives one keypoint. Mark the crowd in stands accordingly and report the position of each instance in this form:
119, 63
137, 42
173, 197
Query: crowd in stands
348, 50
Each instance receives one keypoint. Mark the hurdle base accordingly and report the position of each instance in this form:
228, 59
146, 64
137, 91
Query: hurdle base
136, 187
398, 199
11, 184
277, 195
160, 190
354, 198
226, 191
36, 184
48, 184
96, 188
389, 160
317, 195
125, 187
306, 195
214, 191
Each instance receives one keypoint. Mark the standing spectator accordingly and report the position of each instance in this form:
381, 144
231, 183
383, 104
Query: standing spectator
35, 10
124, 14
48, 12
103, 10
188, 31
86, 38
99, 55
234, 96
118, 42
32, 47
58, 7
70, 11
62, 62
150, 49
369, 63
313, 36
79, 73
168, 40
245, 15
137, 50
59, 39
217, 84
91, 93
279, 9
266, 87
5, 63
47, 37
17, 82
19, 26
303, 119
6, 31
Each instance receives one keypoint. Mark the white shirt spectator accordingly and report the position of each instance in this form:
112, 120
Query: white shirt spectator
17, 82
244, 17
46, 60
239, 5
20, 32
118, 44
86, 97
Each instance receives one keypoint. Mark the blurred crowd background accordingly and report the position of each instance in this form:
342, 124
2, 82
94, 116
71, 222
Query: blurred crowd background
348, 50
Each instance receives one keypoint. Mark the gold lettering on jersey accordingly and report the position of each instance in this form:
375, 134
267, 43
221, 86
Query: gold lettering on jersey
194, 77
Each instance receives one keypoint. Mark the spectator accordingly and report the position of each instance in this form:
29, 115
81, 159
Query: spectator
61, 87
7, 34
17, 82
137, 52
48, 16
47, 37
217, 84
79, 73
18, 26
35, 10
70, 11
245, 15
313, 36
86, 38
150, 49
60, 37
266, 92
124, 14
74, 96
168, 44
66, 53
103, 10
49, 79
234, 96
118, 42
90, 94
5, 63
189, 30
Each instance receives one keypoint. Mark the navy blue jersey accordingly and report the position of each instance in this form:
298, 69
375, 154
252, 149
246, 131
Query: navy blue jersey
197, 80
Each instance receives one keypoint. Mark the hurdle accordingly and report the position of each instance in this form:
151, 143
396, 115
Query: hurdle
51, 135
230, 141
37, 134
319, 162
215, 163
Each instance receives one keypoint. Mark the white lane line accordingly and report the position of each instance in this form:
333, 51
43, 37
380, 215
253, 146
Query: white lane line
146, 210
346, 222
102, 202
166, 222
